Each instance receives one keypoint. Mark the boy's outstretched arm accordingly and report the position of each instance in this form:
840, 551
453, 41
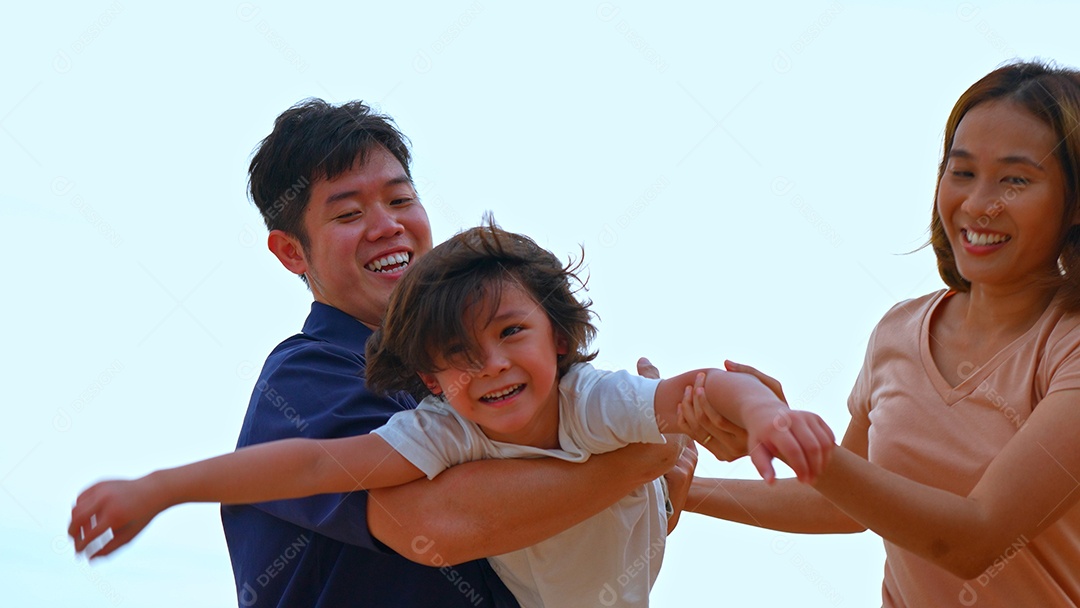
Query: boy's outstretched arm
290, 468
801, 439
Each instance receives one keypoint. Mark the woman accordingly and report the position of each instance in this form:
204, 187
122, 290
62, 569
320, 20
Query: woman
962, 450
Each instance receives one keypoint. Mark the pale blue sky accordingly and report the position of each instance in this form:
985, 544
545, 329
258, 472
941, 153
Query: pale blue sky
743, 178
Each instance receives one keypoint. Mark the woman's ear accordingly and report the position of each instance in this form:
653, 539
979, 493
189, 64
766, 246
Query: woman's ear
431, 383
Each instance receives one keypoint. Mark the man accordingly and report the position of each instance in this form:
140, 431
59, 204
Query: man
334, 188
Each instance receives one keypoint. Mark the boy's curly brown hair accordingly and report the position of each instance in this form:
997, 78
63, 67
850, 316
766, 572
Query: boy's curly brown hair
427, 311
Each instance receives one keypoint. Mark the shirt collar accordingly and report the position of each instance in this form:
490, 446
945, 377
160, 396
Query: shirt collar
332, 325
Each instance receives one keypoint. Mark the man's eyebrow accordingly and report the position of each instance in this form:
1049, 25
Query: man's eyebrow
347, 194
1007, 160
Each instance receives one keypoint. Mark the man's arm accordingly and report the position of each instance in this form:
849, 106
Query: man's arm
490, 507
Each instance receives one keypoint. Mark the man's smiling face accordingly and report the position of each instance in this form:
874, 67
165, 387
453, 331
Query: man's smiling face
363, 229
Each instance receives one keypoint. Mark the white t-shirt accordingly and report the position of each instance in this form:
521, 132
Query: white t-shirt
610, 559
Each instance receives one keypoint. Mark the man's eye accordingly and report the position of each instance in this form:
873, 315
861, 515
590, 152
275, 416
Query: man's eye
349, 215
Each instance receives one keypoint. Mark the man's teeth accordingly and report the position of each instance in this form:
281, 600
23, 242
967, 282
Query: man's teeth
502, 393
391, 260
980, 238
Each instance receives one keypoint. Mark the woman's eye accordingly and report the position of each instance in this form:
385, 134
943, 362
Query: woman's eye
959, 173
1017, 181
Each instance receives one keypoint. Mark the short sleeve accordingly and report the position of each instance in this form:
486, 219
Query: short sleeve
430, 438
609, 409
1064, 358
859, 399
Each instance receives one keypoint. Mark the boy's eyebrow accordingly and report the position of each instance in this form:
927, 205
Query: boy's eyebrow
347, 194
1007, 160
515, 313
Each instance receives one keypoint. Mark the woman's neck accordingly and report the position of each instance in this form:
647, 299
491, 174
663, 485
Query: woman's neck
990, 310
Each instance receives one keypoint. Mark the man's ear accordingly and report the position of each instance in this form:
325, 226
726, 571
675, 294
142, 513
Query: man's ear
288, 251
430, 382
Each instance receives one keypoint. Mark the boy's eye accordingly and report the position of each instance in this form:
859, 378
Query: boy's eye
1017, 181
509, 331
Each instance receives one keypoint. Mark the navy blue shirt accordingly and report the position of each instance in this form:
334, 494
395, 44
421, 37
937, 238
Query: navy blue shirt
318, 551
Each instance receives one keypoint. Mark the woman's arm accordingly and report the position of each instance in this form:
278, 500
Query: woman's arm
787, 505
290, 468
1025, 489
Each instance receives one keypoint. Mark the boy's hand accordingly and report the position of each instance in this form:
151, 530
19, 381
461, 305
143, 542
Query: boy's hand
801, 439
124, 507
725, 439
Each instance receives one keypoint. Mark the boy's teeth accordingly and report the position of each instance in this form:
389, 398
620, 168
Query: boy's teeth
502, 393
979, 238
391, 260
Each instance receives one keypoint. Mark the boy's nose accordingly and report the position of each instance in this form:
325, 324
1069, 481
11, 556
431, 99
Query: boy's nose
494, 362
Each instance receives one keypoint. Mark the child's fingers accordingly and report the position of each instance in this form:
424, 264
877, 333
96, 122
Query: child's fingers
81, 530
788, 446
826, 438
762, 459
811, 446
118, 540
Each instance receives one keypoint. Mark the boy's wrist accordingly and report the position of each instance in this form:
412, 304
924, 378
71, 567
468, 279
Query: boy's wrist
158, 491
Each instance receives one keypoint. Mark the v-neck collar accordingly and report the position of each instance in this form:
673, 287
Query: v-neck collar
953, 394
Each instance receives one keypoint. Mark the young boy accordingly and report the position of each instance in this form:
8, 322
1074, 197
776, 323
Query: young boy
489, 325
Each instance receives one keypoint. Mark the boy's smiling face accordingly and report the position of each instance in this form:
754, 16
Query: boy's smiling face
511, 391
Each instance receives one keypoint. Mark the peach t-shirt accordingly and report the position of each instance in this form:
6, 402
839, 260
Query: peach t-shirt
944, 436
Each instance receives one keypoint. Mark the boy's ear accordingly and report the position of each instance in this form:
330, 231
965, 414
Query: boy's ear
562, 344
288, 251
430, 382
